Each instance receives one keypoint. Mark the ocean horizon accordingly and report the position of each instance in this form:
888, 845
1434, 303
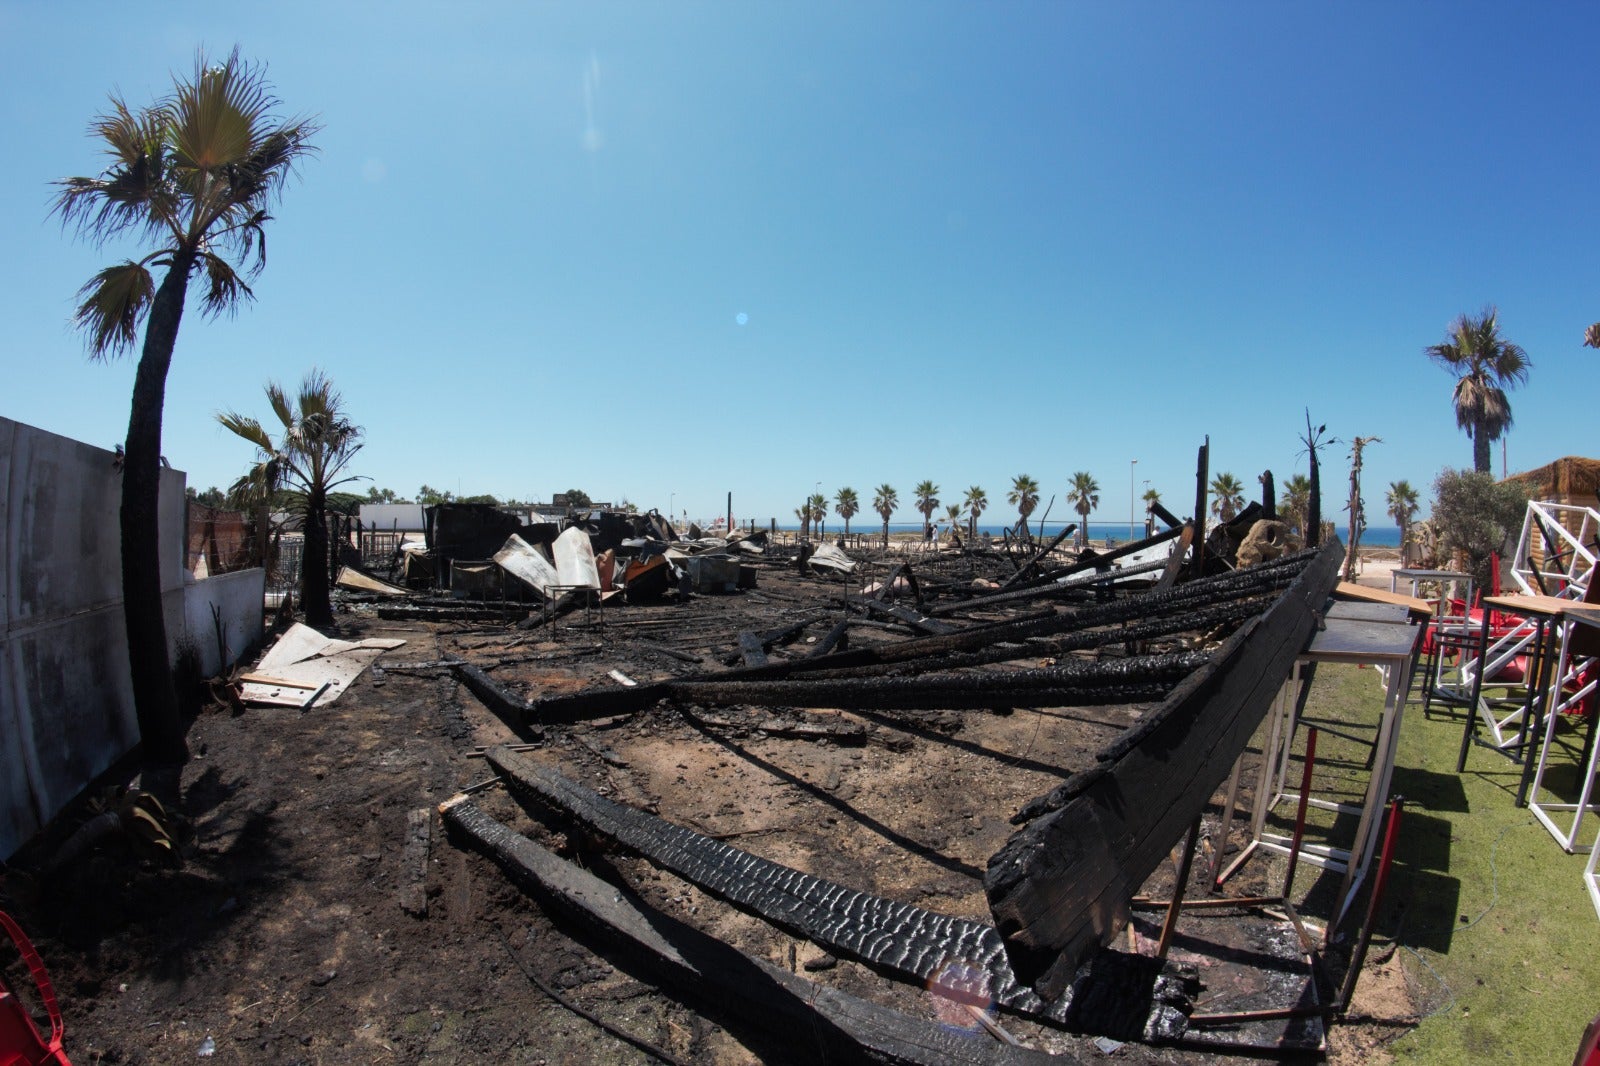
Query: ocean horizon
1372, 537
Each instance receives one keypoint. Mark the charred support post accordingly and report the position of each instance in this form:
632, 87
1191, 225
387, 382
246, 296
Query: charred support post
1202, 472
1060, 886
1179, 886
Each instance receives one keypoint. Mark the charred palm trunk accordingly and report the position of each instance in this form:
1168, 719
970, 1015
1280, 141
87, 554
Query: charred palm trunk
155, 701
1480, 448
314, 566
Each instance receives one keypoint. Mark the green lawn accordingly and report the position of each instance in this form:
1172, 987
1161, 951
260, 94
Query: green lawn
1481, 893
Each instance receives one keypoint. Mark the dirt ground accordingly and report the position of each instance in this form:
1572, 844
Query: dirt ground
282, 936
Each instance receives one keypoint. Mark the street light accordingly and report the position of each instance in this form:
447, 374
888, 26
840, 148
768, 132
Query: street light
1131, 499
672, 498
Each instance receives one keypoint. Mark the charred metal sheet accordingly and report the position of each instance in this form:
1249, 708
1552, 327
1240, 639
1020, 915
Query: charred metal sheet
575, 565
904, 940
1059, 888
527, 564
839, 1027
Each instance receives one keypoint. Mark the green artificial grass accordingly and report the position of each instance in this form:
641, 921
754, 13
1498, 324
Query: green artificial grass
1497, 936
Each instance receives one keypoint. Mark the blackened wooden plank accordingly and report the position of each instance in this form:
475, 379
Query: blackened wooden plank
1060, 886
789, 1008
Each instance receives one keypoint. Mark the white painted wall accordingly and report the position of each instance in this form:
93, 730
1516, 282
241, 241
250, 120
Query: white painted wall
385, 516
66, 706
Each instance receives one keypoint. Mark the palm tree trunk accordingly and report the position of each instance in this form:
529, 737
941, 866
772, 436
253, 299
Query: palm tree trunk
1480, 449
885, 532
314, 563
155, 701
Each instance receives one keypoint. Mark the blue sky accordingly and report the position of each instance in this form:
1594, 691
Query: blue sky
670, 251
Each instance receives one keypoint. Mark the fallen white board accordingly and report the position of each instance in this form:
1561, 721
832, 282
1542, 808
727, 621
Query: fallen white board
309, 659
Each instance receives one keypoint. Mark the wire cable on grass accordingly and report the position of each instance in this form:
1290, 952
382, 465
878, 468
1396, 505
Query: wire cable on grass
1494, 874
1494, 899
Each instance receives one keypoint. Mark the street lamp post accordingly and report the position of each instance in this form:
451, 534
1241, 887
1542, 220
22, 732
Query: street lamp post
672, 498
1132, 501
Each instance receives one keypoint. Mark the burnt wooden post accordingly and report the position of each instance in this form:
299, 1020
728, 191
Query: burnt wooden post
1269, 502
1179, 886
1201, 473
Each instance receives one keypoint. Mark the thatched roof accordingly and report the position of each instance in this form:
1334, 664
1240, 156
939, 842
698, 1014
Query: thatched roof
1572, 476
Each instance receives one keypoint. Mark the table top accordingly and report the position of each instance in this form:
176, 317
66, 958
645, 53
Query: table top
1419, 608
1356, 640
1549, 607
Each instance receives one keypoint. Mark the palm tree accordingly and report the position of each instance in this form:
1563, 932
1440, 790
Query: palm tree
318, 442
1229, 496
1024, 496
193, 173
952, 514
884, 501
1084, 495
1485, 365
818, 505
1151, 497
927, 499
845, 502
1402, 505
1591, 336
975, 502
803, 512
1295, 503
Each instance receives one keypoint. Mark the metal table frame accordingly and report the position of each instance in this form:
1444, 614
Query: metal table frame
1368, 634
1569, 665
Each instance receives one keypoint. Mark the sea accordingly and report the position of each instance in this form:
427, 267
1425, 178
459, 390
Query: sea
1371, 537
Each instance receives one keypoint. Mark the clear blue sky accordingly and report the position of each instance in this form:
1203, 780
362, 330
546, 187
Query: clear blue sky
665, 251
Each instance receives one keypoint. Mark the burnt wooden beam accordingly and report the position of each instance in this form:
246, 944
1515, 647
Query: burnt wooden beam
1201, 473
1047, 585
897, 938
510, 709
1032, 562
1172, 520
1135, 679
803, 1016
838, 637
1059, 887
751, 649
901, 613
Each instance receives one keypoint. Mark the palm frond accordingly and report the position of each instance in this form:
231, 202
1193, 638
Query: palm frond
248, 428
225, 289
114, 302
279, 403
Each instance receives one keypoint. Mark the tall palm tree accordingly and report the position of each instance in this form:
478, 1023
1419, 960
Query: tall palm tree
976, 500
317, 443
1402, 505
1485, 365
192, 174
927, 499
818, 505
1591, 336
884, 501
1024, 496
1151, 497
952, 514
1084, 495
1228, 496
803, 512
845, 502
1295, 502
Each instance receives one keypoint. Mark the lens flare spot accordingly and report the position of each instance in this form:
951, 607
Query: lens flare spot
741, 318
957, 989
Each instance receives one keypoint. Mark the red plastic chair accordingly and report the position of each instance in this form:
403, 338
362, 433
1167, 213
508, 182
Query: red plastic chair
21, 1043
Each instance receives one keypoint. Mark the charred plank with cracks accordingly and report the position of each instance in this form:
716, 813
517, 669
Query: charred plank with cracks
895, 938
838, 1026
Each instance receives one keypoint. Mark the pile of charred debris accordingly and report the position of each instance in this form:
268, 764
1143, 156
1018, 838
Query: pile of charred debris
1016, 736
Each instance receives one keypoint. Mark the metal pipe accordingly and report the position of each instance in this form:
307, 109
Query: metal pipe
1300, 815
1358, 957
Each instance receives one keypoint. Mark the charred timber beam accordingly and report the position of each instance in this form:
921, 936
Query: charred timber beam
1172, 520
1132, 680
1060, 886
902, 613
1032, 563
832, 1025
786, 634
601, 702
838, 637
896, 938
512, 710
1050, 584
751, 650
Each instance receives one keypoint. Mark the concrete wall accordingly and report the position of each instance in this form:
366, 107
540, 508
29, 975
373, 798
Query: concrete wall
236, 626
383, 517
66, 708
